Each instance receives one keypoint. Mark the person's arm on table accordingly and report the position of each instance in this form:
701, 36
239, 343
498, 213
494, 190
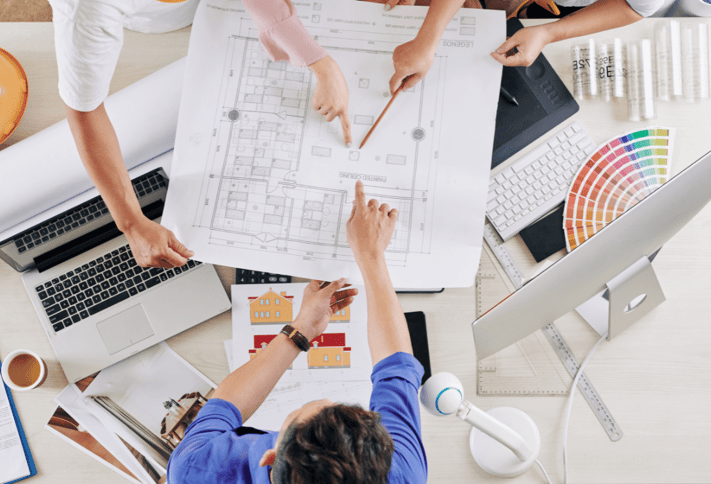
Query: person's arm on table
152, 244
285, 39
248, 386
413, 59
597, 17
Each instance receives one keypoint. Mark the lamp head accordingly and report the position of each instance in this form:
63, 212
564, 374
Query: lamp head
442, 394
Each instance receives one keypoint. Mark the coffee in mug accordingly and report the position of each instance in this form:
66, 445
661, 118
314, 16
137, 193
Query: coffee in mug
23, 370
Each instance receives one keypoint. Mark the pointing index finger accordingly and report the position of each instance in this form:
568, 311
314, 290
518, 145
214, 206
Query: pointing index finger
360, 194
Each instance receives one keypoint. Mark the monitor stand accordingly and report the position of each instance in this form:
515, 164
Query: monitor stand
627, 298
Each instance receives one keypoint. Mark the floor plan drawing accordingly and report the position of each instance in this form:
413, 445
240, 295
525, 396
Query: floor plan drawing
259, 190
268, 184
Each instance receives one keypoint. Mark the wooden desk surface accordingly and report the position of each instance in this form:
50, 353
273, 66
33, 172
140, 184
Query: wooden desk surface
655, 378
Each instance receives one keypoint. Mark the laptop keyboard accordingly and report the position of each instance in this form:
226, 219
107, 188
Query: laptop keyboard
84, 213
98, 285
245, 276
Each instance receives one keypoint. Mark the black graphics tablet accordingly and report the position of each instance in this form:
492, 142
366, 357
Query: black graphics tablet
544, 103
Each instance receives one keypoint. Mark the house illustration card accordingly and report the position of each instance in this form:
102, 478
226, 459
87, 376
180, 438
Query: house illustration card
260, 311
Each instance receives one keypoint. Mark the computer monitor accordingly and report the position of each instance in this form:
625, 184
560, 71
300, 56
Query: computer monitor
609, 277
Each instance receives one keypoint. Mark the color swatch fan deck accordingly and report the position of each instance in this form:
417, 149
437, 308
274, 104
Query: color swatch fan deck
620, 174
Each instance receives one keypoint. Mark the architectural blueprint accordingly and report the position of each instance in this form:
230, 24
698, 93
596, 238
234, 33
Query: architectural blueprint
260, 181
341, 353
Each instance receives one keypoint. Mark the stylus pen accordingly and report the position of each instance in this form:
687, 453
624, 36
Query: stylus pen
507, 95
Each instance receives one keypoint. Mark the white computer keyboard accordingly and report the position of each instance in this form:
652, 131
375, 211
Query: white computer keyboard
537, 182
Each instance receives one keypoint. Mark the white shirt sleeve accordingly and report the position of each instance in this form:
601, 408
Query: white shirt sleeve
645, 7
88, 36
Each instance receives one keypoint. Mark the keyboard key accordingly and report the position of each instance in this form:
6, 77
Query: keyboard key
81, 296
84, 314
141, 287
120, 287
48, 302
52, 310
76, 318
43, 295
163, 277
146, 275
99, 278
108, 303
72, 300
84, 286
89, 302
115, 270
80, 307
97, 298
121, 277
58, 326
133, 291
113, 281
83, 276
113, 291
155, 271
75, 289
152, 282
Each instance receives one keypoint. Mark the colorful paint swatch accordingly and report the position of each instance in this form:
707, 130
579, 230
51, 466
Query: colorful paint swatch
620, 174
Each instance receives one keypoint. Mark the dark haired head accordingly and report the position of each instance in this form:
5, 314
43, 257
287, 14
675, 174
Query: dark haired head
342, 444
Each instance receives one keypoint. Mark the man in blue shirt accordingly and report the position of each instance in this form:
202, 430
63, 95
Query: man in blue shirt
322, 442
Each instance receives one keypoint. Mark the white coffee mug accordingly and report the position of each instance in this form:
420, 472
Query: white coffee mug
6, 371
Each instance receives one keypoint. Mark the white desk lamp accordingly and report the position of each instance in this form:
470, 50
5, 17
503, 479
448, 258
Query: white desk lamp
504, 441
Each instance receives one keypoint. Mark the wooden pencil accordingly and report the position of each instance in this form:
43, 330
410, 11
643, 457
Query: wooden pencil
381, 115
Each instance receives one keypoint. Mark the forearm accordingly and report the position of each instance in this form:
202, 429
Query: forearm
387, 327
100, 153
249, 385
438, 17
601, 15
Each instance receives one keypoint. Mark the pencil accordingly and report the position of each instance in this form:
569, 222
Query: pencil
381, 115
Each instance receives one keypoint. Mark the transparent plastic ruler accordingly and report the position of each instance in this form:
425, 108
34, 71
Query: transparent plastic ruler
556, 339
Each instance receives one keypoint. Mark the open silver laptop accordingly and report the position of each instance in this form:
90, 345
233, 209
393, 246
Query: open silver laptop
95, 303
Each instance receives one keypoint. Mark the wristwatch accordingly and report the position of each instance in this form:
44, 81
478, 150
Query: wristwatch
299, 339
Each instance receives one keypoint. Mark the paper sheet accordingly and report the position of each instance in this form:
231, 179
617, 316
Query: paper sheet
341, 353
259, 181
139, 385
287, 397
12, 455
44, 169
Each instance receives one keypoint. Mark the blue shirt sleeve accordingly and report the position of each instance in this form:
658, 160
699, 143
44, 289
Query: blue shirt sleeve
396, 380
214, 451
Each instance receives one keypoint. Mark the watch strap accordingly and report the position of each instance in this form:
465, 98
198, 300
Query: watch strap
299, 339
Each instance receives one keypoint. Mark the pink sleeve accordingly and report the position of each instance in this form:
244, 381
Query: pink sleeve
282, 34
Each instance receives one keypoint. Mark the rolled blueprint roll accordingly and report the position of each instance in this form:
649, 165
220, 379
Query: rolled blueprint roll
592, 55
44, 169
675, 57
605, 71
687, 64
703, 60
578, 72
646, 82
662, 54
633, 101
618, 59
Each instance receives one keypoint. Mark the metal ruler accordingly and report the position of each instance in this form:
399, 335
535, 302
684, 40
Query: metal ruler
564, 352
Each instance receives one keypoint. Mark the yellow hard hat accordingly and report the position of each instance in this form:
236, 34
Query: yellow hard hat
13, 94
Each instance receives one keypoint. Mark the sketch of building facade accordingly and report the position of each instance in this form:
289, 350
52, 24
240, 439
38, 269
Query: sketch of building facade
329, 351
341, 316
271, 308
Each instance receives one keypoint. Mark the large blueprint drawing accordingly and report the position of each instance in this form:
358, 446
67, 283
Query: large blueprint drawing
260, 181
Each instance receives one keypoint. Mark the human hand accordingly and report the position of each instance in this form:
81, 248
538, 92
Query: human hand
319, 304
155, 246
370, 227
529, 42
412, 60
389, 4
331, 96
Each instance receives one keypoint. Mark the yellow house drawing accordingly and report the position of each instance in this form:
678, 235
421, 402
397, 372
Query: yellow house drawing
270, 308
329, 351
342, 316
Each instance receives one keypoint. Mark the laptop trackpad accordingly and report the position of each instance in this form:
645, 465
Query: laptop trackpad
125, 329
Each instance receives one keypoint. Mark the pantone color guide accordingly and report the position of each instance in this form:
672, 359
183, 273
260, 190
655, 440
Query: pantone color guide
621, 173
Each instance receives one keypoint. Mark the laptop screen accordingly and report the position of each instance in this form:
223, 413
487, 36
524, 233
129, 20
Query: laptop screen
82, 227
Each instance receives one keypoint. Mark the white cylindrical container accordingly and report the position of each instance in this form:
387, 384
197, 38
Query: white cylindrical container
633, 101
646, 79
